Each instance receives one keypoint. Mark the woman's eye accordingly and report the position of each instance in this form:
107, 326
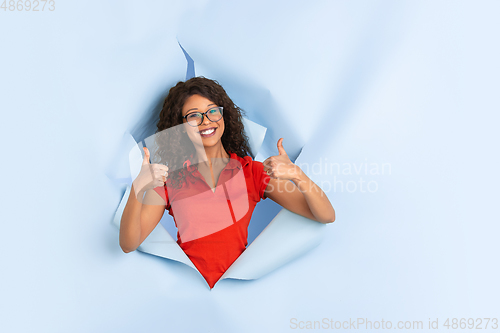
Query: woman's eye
194, 116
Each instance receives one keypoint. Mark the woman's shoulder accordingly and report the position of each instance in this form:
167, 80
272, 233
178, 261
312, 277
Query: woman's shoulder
252, 168
245, 161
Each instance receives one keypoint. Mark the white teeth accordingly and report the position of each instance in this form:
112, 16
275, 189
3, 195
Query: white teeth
210, 131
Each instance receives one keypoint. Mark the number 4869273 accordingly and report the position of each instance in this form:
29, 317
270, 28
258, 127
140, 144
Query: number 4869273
28, 5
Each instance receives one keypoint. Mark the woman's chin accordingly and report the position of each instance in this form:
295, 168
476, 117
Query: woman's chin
210, 142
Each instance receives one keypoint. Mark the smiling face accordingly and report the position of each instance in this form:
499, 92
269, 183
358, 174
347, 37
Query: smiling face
210, 132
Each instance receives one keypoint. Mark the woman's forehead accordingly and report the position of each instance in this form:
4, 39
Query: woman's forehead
196, 103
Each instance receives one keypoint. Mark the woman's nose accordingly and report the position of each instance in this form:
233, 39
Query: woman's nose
206, 121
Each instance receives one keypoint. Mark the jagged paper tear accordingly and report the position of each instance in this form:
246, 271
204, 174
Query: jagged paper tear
286, 237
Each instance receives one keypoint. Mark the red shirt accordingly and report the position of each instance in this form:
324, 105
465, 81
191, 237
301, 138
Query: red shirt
213, 226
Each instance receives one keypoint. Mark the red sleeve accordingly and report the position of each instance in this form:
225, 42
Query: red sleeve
162, 191
260, 178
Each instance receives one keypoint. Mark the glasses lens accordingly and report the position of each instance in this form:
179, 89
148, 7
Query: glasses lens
194, 119
215, 114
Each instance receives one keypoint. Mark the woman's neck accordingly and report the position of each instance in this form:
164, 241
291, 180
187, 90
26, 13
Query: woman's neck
215, 153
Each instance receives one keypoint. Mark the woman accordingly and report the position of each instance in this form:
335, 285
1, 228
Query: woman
200, 137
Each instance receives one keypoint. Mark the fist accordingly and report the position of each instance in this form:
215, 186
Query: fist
150, 176
280, 166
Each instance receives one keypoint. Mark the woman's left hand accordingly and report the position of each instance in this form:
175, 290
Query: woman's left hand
280, 166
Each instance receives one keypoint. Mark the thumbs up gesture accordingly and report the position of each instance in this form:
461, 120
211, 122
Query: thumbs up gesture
150, 176
280, 166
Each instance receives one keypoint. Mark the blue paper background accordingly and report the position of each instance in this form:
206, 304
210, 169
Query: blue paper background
412, 84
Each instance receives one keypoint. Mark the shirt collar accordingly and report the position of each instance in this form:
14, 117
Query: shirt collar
234, 162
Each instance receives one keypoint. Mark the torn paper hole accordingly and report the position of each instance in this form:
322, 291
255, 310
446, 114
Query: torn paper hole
287, 236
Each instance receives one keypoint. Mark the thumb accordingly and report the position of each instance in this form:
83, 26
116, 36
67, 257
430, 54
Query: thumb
146, 156
281, 150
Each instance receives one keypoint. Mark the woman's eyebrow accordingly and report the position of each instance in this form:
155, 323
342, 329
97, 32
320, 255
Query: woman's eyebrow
197, 108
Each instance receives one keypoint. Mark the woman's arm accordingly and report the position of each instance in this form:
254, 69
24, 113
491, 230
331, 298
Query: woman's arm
292, 189
142, 212
139, 219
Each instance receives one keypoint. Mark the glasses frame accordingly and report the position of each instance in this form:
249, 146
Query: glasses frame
205, 114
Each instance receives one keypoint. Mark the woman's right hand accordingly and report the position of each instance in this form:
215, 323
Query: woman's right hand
150, 176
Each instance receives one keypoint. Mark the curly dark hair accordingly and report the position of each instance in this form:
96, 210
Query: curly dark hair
174, 146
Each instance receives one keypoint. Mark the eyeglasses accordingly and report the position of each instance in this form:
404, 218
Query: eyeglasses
196, 118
